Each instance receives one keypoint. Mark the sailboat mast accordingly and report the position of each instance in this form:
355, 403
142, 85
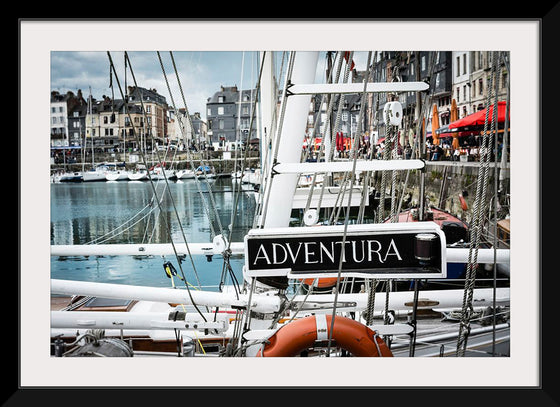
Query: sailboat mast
291, 136
267, 102
91, 135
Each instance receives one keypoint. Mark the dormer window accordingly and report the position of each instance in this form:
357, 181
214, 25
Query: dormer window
221, 99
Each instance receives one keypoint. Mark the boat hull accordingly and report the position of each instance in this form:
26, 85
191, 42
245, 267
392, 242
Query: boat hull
185, 174
70, 178
93, 176
137, 176
116, 176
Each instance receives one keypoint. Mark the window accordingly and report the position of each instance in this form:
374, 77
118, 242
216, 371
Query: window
221, 99
220, 124
209, 112
458, 94
220, 110
464, 64
105, 119
480, 85
458, 66
464, 92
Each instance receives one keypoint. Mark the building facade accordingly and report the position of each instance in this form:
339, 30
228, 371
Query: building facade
118, 126
66, 119
180, 133
228, 114
144, 120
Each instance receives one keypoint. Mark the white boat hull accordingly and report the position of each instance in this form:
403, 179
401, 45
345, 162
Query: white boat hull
93, 177
116, 176
137, 176
185, 174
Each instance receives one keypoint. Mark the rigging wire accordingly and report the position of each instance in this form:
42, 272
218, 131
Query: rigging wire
276, 140
149, 176
127, 225
227, 252
416, 146
354, 156
266, 143
189, 157
478, 209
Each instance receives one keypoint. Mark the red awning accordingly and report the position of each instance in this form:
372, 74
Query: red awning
478, 118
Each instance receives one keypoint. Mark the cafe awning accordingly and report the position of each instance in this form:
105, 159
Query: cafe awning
478, 118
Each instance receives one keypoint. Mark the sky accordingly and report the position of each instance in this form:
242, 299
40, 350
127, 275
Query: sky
201, 73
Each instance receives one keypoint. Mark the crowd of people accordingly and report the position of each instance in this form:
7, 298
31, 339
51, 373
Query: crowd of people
444, 151
468, 150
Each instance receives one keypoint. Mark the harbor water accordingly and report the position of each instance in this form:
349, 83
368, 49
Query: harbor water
128, 212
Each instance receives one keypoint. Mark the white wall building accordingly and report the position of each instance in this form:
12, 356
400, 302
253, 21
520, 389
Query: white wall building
59, 124
461, 88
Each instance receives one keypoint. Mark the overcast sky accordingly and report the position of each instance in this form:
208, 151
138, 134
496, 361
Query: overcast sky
201, 73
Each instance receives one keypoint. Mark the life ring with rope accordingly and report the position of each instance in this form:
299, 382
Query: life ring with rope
301, 334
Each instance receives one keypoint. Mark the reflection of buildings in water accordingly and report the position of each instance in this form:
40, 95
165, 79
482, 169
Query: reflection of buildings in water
124, 212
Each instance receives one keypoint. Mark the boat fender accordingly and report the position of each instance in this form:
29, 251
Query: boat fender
464, 205
311, 217
299, 335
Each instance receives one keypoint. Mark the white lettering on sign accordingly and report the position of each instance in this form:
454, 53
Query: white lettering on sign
265, 256
318, 252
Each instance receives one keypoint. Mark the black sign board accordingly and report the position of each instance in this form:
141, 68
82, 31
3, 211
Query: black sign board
384, 253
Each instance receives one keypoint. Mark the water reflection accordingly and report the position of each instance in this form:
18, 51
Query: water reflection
128, 212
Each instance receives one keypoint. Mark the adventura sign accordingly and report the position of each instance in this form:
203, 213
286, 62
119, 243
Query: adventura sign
396, 250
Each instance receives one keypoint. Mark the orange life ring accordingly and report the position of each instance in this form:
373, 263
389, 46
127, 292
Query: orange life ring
463, 203
296, 336
324, 282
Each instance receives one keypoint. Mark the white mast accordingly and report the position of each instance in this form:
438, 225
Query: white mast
289, 149
267, 102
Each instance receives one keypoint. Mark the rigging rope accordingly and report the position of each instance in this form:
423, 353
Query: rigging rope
149, 176
276, 139
227, 252
354, 157
478, 209
329, 152
189, 157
